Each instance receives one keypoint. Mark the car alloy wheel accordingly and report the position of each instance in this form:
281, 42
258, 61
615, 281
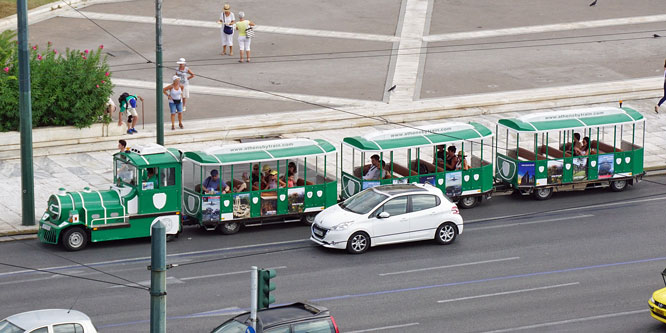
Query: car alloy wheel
358, 243
446, 233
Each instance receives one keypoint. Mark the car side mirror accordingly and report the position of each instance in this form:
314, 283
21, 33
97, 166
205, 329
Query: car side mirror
384, 215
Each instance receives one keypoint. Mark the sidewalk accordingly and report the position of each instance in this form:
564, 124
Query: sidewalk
74, 171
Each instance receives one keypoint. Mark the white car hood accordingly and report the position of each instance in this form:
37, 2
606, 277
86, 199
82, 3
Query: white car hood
333, 216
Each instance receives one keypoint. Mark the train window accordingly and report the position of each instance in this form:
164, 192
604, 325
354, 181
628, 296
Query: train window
167, 176
125, 173
188, 175
311, 170
241, 177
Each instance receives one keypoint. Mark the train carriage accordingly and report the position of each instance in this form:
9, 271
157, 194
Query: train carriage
416, 156
538, 153
246, 169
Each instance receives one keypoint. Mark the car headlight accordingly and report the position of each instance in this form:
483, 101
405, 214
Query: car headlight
342, 226
652, 300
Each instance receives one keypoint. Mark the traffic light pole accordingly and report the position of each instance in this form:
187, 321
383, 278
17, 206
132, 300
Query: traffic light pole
253, 297
25, 106
159, 101
158, 278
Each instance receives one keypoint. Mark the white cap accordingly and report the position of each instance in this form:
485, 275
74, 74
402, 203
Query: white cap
175, 77
181, 61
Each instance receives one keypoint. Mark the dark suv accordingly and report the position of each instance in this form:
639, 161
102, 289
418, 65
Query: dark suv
292, 318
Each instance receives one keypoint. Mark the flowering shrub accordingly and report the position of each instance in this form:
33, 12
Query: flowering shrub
68, 88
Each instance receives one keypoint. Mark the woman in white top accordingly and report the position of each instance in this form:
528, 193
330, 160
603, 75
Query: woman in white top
185, 75
174, 93
663, 99
227, 20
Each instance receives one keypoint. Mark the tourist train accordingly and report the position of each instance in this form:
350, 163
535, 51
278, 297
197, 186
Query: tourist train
282, 180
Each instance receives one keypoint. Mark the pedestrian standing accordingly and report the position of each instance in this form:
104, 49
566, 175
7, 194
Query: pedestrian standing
174, 93
227, 20
243, 39
185, 75
663, 99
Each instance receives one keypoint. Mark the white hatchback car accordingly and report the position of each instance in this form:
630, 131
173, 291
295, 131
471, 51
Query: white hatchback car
48, 321
388, 214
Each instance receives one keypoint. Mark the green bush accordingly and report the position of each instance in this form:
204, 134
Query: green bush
67, 89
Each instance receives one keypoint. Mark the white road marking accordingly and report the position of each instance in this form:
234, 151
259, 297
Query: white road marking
569, 321
508, 292
218, 91
227, 312
385, 328
546, 28
450, 266
408, 56
223, 274
565, 210
215, 25
472, 228
130, 260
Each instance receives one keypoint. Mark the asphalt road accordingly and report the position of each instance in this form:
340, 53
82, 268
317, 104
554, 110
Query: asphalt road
584, 262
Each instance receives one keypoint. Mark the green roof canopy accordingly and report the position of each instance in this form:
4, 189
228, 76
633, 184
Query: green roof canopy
569, 119
148, 155
429, 135
261, 151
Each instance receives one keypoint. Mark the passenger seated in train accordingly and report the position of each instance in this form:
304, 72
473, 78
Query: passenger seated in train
376, 170
151, 177
290, 179
461, 161
212, 183
586, 149
272, 181
451, 159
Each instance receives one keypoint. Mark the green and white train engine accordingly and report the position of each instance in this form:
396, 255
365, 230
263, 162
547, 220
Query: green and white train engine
146, 189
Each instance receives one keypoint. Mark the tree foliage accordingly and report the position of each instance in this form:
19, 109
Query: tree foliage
68, 88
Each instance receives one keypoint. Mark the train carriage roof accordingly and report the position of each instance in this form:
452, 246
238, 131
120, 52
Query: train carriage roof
421, 136
147, 155
569, 119
262, 151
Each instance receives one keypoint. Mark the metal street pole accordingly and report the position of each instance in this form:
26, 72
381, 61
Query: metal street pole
158, 278
27, 173
253, 297
159, 101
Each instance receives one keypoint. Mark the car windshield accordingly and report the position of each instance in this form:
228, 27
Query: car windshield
7, 327
363, 202
231, 327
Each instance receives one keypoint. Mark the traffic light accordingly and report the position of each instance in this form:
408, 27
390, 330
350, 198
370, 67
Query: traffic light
264, 288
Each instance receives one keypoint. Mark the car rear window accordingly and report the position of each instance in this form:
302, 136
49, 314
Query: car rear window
423, 202
319, 326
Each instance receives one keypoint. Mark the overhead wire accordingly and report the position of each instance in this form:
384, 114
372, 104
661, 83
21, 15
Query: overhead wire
376, 118
74, 276
428, 47
82, 264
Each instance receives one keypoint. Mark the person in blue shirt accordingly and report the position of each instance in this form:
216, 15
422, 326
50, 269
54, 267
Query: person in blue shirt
212, 183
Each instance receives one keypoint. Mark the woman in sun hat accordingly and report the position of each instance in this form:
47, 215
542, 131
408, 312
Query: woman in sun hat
174, 93
227, 20
185, 74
